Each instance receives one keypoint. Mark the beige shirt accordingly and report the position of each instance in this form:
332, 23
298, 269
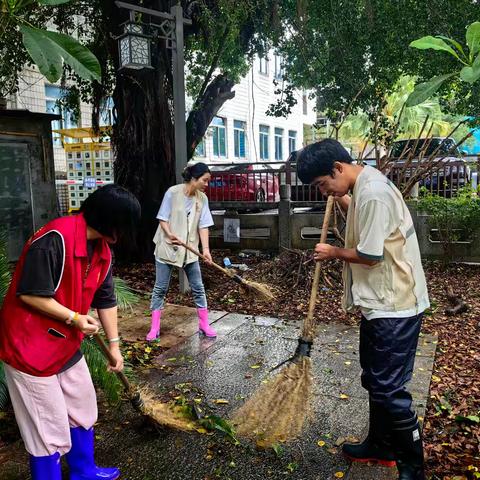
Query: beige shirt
380, 228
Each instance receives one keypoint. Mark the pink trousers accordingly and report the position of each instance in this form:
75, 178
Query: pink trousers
46, 407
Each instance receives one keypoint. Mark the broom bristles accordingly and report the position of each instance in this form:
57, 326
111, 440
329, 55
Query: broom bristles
263, 290
164, 413
278, 410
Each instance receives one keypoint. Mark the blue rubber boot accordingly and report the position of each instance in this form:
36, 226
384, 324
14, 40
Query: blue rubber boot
46, 468
80, 458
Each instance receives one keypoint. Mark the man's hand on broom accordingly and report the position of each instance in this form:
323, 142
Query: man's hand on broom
117, 356
324, 251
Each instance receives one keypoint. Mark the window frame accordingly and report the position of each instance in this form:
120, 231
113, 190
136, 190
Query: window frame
239, 132
216, 129
264, 138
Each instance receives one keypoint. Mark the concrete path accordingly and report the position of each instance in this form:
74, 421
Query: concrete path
222, 369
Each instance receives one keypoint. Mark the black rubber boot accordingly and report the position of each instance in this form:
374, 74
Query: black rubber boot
408, 447
377, 447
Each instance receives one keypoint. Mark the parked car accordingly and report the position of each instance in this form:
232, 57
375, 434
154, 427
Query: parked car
453, 174
243, 183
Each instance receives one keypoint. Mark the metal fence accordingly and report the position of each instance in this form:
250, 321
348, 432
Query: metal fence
258, 186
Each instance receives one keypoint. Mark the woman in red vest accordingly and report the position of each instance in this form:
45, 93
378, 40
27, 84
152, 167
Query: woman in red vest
63, 271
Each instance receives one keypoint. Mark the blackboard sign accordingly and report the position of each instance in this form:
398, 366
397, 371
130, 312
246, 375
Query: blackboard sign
15, 195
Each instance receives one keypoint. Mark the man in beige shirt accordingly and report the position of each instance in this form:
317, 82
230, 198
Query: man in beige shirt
384, 280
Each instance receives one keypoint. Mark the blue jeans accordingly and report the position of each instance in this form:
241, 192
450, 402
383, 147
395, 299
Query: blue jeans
162, 282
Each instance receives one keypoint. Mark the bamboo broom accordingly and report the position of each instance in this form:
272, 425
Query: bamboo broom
277, 411
143, 400
265, 293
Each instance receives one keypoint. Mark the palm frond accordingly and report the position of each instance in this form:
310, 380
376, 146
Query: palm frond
126, 297
4, 396
4, 284
101, 377
5, 276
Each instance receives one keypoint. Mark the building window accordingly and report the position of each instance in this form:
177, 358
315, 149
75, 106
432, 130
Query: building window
219, 137
292, 141
279, 71
264, 133
305, 103
52, 96
239, 138
200, 150
263, 65
106, 112
279, 144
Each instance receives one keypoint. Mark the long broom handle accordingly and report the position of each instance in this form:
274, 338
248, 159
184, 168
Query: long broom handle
307, 332
103, 347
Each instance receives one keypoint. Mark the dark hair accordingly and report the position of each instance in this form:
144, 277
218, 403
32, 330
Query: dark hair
195, 171
317, 159
113, 211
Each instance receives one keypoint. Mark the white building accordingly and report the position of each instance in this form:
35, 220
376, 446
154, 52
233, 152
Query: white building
242, 132
37, 94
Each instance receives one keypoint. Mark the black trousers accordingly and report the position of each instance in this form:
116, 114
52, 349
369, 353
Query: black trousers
387, 357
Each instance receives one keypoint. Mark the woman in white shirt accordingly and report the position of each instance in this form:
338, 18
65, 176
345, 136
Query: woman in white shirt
184, 216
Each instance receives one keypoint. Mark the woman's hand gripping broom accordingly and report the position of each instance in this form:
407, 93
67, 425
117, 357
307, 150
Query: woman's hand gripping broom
277, 411
262, 291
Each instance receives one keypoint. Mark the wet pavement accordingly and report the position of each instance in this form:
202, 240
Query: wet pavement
231, 367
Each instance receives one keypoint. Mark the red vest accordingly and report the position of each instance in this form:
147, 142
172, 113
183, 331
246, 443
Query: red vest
25, 341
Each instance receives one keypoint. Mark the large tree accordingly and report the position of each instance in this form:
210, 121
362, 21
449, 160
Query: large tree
219, 46
353, 52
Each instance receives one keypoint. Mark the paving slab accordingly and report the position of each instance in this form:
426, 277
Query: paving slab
222, 368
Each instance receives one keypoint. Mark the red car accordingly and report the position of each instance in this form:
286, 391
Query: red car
243, 183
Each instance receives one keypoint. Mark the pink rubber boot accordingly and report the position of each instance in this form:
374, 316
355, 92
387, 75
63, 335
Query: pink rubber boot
154, 332
203, 325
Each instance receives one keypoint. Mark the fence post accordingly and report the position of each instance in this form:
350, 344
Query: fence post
285, 217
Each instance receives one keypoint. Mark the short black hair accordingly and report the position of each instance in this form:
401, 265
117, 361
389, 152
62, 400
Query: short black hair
317, 159
113, 211
195, 171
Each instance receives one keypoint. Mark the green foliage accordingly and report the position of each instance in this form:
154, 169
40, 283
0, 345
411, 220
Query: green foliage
4, 396
424, 91
126, 297
231, 33
352, 52
4, 283
213, 422
357, 128
455, 218
468, 57
24, 39
50, 49
5, 276
97, 364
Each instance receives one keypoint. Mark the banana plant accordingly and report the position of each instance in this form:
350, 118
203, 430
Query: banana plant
49, 50
468, 57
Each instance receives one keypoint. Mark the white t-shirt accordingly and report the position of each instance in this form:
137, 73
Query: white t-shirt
206, 219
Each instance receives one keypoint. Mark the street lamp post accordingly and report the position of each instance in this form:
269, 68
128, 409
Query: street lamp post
134, 50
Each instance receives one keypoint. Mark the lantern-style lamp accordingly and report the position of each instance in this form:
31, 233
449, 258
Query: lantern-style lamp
134, 47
